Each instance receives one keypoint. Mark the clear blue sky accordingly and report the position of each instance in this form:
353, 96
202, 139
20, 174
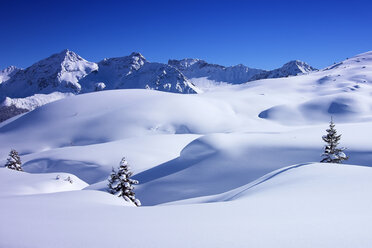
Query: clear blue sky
261, 34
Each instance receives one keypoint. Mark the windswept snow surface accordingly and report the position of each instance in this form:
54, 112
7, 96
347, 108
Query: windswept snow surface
315, 205
21, 183
245, 149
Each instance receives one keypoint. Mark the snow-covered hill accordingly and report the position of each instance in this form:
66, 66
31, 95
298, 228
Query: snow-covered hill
313, 205
247, 148
7, 73
20, 183
232, 121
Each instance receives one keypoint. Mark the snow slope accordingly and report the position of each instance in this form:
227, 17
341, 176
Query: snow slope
314, 205
239, 124
231, 146
16, 183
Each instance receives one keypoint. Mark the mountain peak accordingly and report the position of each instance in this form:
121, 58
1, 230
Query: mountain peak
291, 68
59, 72
136, 54
10, 68
8, 72
65, 51
67, 55
122, 65
298, 66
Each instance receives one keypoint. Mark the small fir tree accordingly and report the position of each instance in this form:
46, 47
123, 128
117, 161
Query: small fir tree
332, 154
69, 179
14, 161
120, 183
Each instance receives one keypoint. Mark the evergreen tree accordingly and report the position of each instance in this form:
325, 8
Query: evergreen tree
120, 183
14, 161
331, 153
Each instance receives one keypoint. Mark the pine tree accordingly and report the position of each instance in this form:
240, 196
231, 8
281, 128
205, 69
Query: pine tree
332, 154
120, 183
14, 161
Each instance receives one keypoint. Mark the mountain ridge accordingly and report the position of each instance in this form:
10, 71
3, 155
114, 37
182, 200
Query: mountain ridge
8, 72
197, 68
291, 68
237, 74
68, 73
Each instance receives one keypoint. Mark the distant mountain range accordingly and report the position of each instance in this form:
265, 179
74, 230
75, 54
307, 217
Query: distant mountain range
66, 73
196, 68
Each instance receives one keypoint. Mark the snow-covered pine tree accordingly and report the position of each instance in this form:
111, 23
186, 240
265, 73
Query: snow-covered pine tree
331, 153
14, 161
120, 183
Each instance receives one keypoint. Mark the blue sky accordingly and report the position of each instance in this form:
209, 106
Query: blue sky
260, 34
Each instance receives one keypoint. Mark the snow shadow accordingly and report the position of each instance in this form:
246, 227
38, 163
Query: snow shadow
88, 172
214, 171
193, 153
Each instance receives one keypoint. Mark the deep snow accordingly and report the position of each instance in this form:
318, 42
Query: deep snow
229, 146
315, 205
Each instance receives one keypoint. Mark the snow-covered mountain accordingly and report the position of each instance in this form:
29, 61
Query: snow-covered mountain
8, 72
292, 68
196, 68
60, 72
135, 72
111, 71
68, 73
